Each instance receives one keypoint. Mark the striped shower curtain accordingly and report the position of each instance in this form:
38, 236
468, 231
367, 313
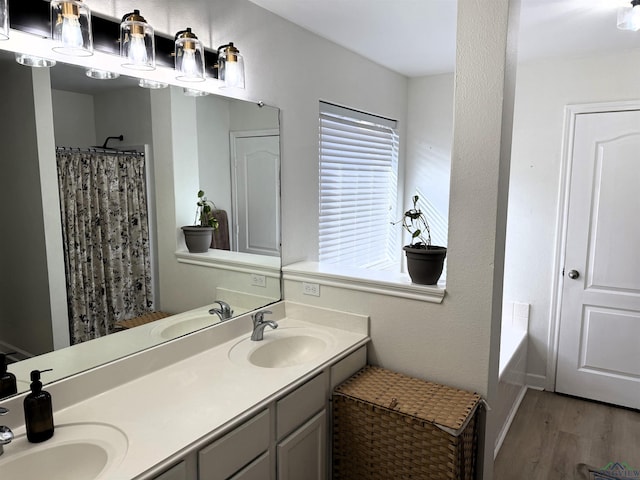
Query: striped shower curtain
106, 239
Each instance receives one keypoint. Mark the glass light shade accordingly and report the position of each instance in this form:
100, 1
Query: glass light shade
192, 92
152, 84
101, 74
189, 57
231, 66
137, 45
31, 61
71, 28
4, 20
629, 17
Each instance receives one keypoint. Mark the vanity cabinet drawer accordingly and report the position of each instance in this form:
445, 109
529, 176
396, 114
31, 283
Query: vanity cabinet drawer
349, 365
177, 472
294, 409
224, 457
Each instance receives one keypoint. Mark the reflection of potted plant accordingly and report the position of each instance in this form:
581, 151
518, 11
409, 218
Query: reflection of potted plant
424, 261
198, 236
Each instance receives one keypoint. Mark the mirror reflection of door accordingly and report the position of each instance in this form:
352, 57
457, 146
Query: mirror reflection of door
256, 185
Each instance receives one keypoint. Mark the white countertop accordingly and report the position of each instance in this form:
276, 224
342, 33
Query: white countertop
186, 403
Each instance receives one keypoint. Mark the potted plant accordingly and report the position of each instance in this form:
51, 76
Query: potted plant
198, 236
424, 261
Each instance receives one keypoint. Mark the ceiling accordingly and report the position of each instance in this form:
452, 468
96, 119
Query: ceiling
417, 37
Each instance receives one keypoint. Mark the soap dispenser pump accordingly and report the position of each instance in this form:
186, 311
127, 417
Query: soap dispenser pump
38, 411
8, 385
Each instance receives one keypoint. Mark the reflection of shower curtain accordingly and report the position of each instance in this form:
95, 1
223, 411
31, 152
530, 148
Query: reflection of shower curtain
105, 232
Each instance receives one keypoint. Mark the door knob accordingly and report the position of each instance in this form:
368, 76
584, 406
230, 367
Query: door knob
573, 274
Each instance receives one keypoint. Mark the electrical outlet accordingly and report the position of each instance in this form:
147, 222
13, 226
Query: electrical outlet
258, 280
311, 289
521, 310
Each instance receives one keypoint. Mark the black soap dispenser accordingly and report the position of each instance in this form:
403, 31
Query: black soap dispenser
38, 411
8, 384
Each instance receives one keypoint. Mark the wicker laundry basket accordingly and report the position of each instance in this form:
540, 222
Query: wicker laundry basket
390, 426
141, 320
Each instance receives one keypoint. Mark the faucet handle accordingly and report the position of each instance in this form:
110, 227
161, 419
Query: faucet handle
225, 308
258, 317
6, 435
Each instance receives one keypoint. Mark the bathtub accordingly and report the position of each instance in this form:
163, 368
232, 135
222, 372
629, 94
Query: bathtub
511, 382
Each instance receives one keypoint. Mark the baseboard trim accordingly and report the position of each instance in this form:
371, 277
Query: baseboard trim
538, 382
512, 414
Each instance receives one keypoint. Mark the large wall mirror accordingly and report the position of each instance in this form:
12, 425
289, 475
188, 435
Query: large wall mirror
229, 148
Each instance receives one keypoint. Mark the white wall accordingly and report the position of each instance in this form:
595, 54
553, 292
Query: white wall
213, 150
32, 292
74, 118
127, 112
428, 150
543, 90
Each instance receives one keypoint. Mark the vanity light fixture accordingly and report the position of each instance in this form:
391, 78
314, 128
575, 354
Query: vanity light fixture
231, 66
71, 28
137, 42
152, 84
4, 20
101, 74
629, 17
32, 61
189, 57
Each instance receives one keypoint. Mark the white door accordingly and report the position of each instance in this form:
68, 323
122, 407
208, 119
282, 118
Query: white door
256, 193
599, 341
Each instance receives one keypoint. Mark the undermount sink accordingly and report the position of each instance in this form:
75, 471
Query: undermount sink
181, 327
281, 348
82, 450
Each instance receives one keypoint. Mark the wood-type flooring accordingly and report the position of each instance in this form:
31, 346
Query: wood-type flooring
552, 434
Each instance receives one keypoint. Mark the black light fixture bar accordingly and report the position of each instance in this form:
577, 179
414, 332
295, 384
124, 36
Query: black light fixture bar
32, 16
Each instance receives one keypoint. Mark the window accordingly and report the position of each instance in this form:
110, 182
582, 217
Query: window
358, 185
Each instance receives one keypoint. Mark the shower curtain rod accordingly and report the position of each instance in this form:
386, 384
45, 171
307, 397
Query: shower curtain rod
98, 150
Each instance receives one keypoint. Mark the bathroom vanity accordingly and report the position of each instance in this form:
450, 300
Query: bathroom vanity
210, 405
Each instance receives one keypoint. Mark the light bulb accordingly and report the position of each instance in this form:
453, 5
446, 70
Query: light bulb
71, 32
138, 50
232, 75
189, 63
634, 19
4, 20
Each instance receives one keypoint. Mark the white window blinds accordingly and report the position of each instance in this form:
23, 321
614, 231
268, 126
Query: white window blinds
358, 182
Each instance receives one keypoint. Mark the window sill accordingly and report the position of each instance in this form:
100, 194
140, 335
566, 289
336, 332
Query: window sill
234, 261
370, 281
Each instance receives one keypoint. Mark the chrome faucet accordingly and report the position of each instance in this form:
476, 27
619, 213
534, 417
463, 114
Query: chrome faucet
224, 312
6, 435
259, 324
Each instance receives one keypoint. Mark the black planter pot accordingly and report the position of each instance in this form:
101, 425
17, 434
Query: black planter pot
198, 239
425, 264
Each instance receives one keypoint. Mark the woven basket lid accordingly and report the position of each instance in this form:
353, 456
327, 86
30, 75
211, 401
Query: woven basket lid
446, 407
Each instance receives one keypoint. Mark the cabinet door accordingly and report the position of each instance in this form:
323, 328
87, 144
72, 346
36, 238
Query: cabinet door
259, 469
302, 455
